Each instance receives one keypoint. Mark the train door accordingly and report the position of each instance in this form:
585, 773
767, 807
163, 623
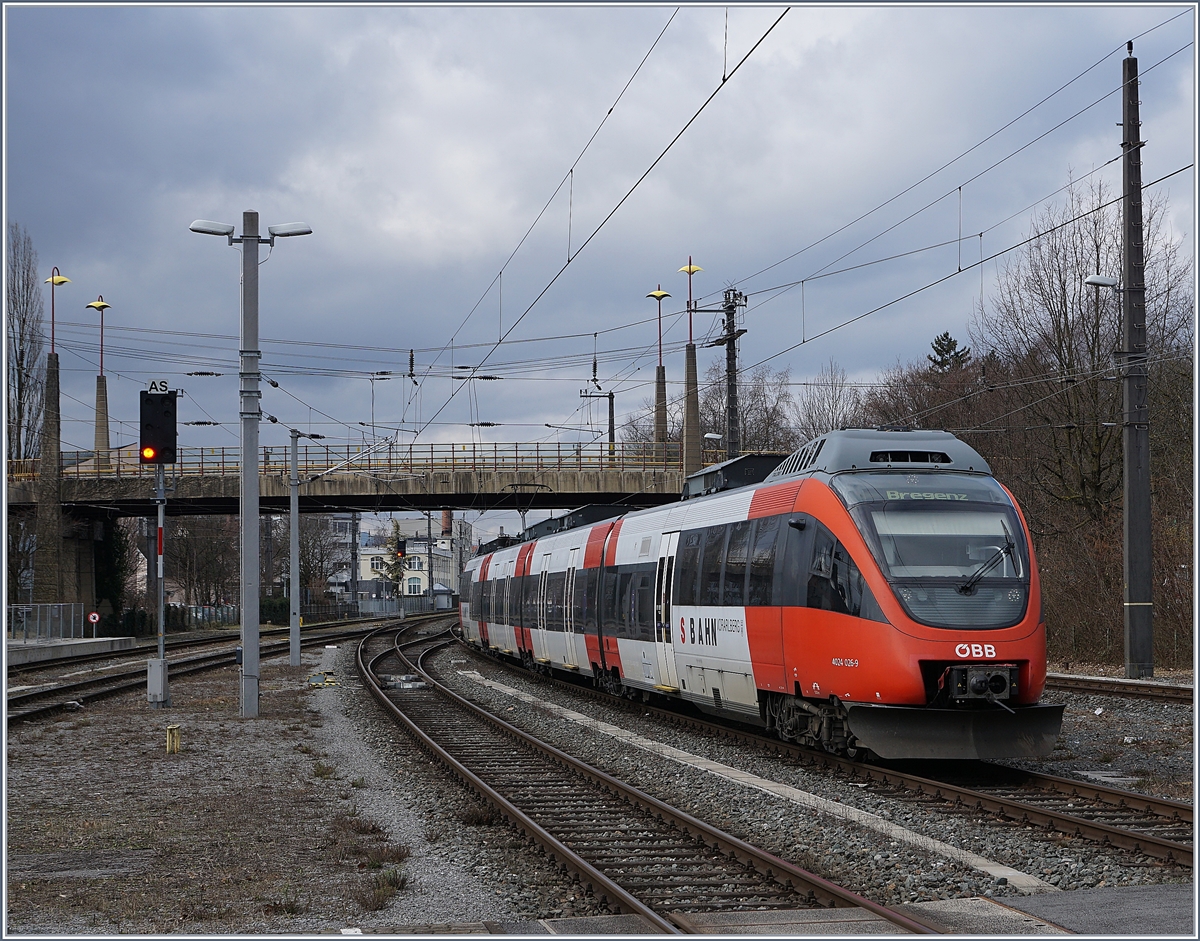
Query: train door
541, 601
663, 634
570, 657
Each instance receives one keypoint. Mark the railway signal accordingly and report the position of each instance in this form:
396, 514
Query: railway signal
401, 548
158, 428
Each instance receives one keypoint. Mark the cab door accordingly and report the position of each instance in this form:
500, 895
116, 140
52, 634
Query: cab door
663, 634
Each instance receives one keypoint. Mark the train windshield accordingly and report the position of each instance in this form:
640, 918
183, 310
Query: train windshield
951, 546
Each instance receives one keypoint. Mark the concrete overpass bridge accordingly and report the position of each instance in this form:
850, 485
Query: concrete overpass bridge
335, 478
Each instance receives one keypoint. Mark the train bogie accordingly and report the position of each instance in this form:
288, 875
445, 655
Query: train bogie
883, 597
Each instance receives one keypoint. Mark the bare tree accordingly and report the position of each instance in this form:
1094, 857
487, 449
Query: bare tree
766, 402
25, 345
828, 402
201, 556
23, 389
1040, 399
322, 553
1055, 339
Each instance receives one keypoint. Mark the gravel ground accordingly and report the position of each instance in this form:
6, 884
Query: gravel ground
273, 825
306, 819
1171, 675
1159, 759
1134, 744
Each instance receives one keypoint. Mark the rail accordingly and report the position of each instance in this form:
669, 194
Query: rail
1120, 686
396, 460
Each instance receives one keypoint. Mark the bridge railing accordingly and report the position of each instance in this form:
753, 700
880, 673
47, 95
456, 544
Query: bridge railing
398, 459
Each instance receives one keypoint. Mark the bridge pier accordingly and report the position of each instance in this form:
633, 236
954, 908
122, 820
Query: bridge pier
47, 556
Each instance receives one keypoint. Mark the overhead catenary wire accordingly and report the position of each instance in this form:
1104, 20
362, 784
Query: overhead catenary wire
623, 199
972, 148
569, 175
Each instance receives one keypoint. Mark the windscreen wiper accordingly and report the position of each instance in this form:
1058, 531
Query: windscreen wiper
968, 586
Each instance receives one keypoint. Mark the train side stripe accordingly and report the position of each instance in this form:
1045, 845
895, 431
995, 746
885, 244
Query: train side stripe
523, 558
594, 552
770, 501
610, 552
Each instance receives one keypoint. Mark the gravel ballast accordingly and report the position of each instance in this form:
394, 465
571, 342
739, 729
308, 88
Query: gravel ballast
883, 870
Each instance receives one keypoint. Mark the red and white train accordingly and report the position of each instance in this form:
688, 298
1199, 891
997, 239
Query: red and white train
876, 593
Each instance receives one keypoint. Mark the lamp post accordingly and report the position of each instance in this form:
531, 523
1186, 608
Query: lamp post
660, 384
54, 281
691, 387
251, 414
47, 559
101, 440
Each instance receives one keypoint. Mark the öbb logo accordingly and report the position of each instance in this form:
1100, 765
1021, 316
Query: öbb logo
975, 650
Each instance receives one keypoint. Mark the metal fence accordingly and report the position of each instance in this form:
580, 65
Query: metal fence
45, 622
394, 460
197, 617
366, 608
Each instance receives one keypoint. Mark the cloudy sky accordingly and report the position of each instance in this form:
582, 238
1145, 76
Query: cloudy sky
422, 143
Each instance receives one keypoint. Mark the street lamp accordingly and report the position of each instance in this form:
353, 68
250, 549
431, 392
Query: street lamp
660, 383
691, 386
251, 414
101, 441
100, 305
54, 281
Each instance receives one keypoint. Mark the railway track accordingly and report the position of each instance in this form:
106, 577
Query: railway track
639, 854
1119, 686
50, 699
145, 649
1156, 827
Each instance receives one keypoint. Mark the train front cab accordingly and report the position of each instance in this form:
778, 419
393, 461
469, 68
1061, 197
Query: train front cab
916, 607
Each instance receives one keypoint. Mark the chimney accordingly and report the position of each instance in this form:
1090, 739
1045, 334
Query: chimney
447, 523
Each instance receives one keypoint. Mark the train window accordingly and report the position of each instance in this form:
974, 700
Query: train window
529, 593
489, 591
591, 599
579, 600
688, 566
835, 582
734, 590
477, 605
624, 585
762, 561
642, 601
710, 568
791, 580
610, 610
822, 592
556, 585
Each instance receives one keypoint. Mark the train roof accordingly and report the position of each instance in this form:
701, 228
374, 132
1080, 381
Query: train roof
849, 449
876, 449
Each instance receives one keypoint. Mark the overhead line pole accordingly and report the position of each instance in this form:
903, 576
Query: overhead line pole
294, 556
733, 426
251, 414
1139, 575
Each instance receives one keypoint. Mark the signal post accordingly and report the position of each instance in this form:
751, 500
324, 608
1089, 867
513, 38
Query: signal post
157, 446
